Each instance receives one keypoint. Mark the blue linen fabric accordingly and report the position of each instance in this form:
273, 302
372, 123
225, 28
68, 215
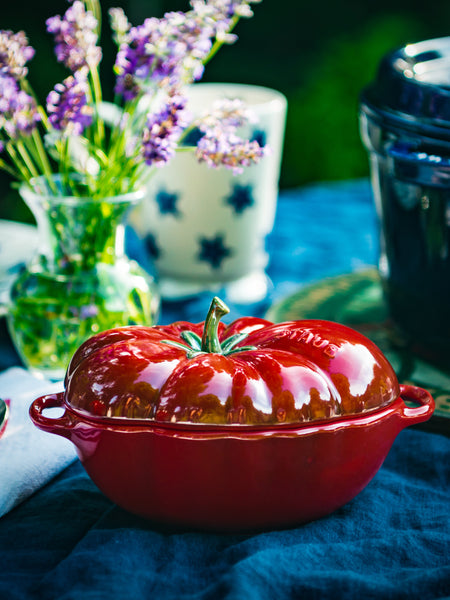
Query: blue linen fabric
392, 541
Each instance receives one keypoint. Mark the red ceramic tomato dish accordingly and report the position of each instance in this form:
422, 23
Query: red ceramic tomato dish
246, 427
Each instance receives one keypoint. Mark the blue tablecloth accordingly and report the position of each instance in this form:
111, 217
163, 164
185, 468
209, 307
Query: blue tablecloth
392, 541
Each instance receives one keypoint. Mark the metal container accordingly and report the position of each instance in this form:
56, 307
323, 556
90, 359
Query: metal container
405, 126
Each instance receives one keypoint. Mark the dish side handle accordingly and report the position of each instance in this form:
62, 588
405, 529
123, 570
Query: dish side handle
425, 404
61, 425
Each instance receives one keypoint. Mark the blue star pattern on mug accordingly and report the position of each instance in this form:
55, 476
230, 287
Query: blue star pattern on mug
151, 246
241, 198
193, 137
214, 250
167, 202
259, 135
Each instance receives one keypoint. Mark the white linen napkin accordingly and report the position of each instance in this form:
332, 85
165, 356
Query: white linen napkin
29, 457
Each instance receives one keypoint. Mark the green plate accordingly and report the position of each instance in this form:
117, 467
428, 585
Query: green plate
357, 300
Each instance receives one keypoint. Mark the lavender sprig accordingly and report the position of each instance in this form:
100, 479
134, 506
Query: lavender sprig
165, 52
18, 121
18, 110
76, 35
14, 54
173, 50
69, 112
162, 132
76, 38
155, 61
219, 148
220, 144
226, 114
120, 25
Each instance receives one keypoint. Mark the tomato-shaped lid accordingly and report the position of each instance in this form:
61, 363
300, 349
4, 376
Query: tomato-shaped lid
251, 372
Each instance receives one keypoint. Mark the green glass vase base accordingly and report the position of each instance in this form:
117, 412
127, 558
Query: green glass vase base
80, 282
50, 315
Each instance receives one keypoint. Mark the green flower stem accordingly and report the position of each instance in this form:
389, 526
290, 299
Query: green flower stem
43, 159
120, 171
44, 118
35, 149
210, 338
30, 146
28, 161
65, 162
18, 161
21, 160
10, 170
218, 44
40, 156
117, 171
117, 148
100, 156
25, 85
92, 150
94, 7
112, 180
97, 97
142, 175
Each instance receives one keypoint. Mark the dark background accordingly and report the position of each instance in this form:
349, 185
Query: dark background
319, 54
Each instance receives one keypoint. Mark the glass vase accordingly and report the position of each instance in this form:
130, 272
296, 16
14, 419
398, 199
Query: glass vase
80, 282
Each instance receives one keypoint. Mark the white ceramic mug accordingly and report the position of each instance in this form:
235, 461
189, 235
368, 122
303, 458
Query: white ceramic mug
205, 227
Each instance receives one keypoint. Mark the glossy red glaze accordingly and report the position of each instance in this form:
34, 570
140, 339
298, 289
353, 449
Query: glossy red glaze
285, 373
233, 478
287, 428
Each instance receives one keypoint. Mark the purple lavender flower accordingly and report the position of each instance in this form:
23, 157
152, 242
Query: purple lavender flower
172, 50
76, 37
226, 114
221, 14
67, 106
228, 8
163, 51
162, 132
132, 61
221, 148
119, 25
14, 54
8, 91
18, 110
88, 311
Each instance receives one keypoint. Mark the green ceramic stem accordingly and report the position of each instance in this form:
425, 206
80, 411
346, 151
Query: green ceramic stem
210, 339
209, 343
